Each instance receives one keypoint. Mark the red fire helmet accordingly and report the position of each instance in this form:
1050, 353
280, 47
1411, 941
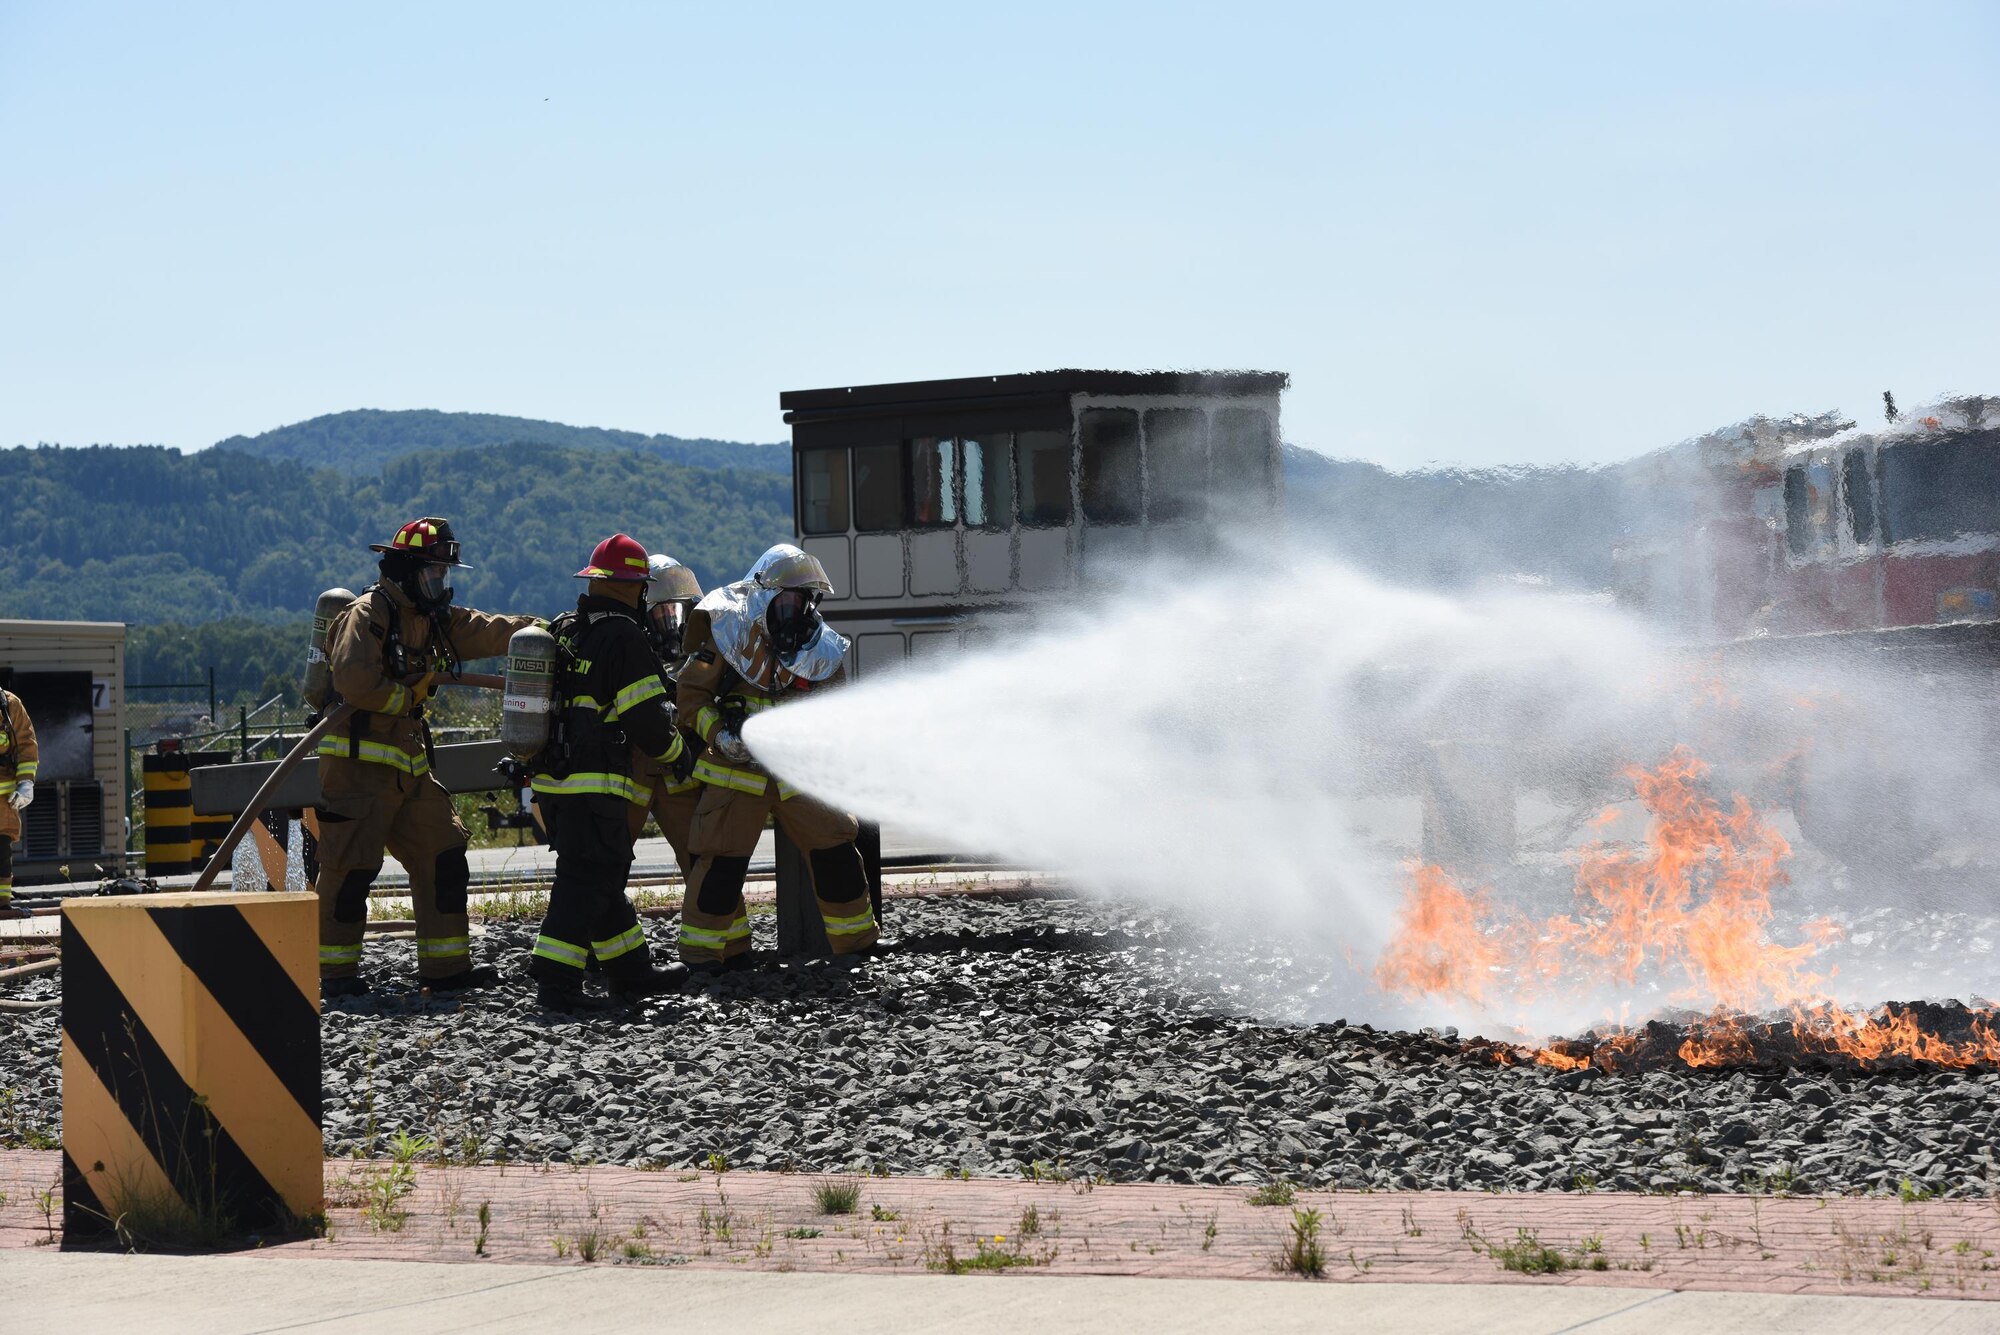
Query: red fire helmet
618, 557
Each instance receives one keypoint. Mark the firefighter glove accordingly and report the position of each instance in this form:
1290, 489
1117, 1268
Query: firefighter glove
24, 793
729, 746
682, 764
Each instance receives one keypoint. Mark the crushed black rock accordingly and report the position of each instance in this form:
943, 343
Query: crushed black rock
1063, 1036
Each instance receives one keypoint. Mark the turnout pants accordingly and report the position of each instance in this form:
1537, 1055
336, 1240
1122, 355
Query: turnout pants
7, 864
588, 911
365, 809
674, 810
727, 824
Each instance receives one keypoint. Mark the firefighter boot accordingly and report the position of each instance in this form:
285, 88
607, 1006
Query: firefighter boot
466, 980
561, 992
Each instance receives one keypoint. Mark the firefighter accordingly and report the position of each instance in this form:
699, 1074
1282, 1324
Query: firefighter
18, 760
385, 654
671, 593
752, 645
611, 703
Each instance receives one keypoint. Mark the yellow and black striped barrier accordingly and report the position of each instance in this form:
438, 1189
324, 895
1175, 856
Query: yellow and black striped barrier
191, 1060
177, 840
169, 814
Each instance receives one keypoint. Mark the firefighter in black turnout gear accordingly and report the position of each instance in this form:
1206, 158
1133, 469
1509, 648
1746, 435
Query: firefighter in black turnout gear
610, 702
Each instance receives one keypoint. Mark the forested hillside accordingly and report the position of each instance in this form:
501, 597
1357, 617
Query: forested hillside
363, 440
148, 535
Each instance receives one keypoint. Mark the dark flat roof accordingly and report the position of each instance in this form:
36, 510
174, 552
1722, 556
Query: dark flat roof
1032, 384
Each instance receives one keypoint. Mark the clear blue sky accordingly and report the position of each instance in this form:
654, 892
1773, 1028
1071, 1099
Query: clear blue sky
1477, 233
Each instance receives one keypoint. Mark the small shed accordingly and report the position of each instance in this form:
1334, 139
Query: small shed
71, 677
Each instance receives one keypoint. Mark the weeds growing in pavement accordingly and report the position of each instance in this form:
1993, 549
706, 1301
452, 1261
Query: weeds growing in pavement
588, 1242
1041, 1170
485, 1223
994, 1253
1030, 1223
836, 1195
45, 1201
882, 1214
803, 1231
1278, 1192
1411, 1228
715, 1224
1528, 1255
717, 1162
1303, 1252
382, 1193
1908, 1191
561, 1243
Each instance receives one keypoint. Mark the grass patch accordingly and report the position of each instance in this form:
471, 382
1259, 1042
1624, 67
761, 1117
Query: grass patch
804, 1231
836, 1195
1279, 1192
1527, 1254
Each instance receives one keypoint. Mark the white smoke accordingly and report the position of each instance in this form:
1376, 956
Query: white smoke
1256, 748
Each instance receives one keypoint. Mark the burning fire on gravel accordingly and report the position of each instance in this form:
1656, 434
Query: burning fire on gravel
1689, 907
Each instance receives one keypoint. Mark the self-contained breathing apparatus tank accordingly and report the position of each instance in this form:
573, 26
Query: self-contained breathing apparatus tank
526, 707
318, 686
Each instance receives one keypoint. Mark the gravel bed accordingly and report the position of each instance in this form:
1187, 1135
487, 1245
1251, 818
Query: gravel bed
1102, 1038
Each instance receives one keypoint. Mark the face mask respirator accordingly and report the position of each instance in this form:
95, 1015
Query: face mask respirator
430, 586
666, 623
793, 620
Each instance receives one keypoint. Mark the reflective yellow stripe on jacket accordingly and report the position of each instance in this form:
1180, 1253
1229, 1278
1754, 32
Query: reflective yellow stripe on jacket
592, 782
632, 696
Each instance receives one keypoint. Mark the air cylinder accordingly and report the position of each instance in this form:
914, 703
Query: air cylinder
530, 693
318, 686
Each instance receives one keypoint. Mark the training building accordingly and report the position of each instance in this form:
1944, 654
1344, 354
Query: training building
71, 677
946, 509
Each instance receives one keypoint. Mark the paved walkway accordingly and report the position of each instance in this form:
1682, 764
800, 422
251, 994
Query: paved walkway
162, 1295
692, 1240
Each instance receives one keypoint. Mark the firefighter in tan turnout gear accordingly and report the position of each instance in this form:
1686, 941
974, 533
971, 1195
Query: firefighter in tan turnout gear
671, 593
385, 654
611, 703
18, 760
753, 645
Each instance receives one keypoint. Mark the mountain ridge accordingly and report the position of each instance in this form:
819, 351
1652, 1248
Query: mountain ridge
361, 441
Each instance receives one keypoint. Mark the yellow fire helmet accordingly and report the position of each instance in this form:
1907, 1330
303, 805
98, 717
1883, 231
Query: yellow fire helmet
786, 567
670, 581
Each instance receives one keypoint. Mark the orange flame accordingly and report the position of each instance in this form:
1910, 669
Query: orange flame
1693, 902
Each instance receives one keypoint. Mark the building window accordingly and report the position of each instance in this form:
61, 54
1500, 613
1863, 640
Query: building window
1044, 477
1240, 458
989, 481
1860, 496
1176, 464
878, 488
1940, 490
933, 497
1798, 536
1110, 466
823, 491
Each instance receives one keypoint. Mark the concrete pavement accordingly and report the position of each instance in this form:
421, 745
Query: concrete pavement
240, 1294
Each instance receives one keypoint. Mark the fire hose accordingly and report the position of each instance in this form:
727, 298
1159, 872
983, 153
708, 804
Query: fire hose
225, 852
